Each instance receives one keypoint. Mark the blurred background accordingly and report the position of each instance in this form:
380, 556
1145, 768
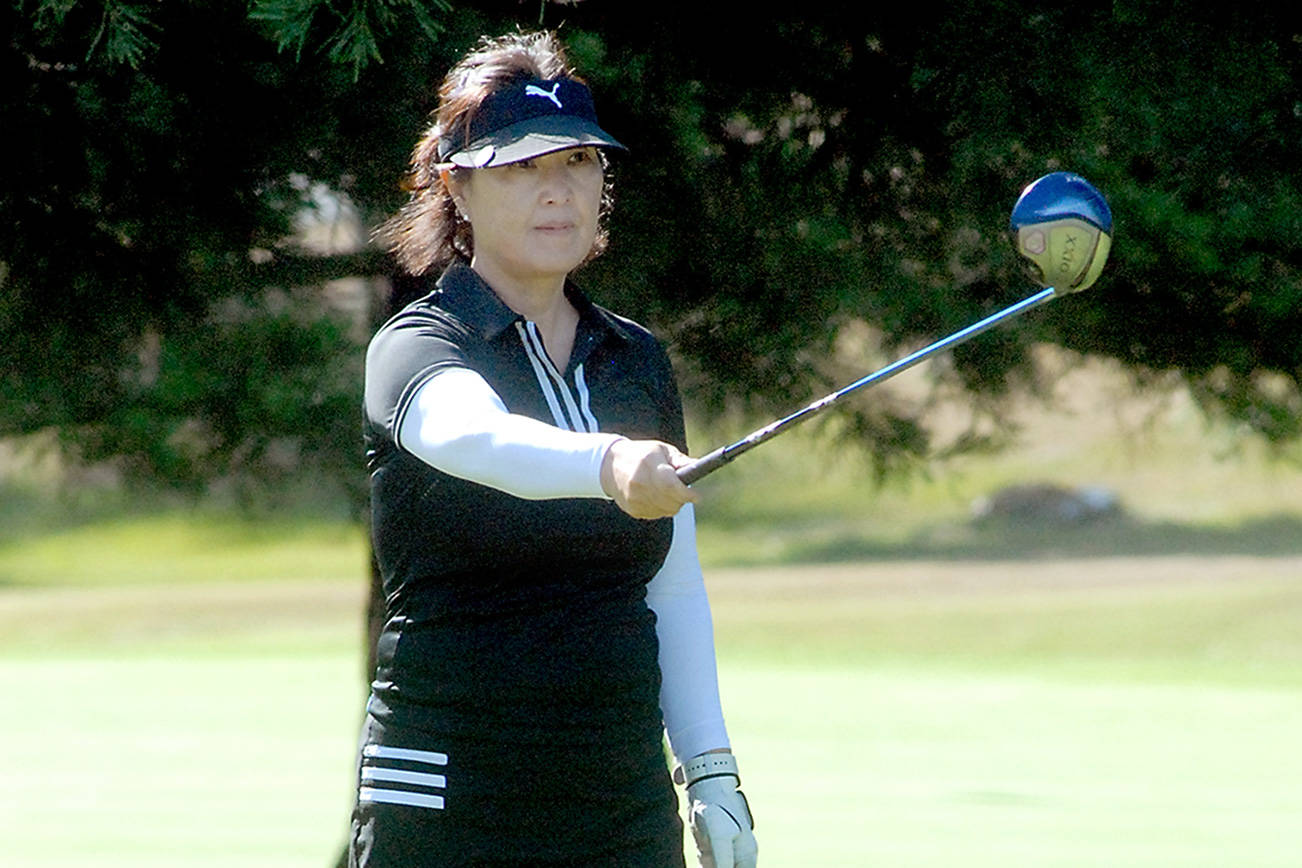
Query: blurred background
1036, 602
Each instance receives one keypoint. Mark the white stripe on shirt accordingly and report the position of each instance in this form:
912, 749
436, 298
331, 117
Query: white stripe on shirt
544, 382
535, 344
399, 797
380, 751
585, 405
401, 776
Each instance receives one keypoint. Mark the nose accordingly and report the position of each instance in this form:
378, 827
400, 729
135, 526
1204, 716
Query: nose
557, 185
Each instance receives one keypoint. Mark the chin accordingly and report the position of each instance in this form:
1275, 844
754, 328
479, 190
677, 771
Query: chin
557, 262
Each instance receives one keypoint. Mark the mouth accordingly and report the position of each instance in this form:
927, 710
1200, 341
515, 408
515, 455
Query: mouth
556, 227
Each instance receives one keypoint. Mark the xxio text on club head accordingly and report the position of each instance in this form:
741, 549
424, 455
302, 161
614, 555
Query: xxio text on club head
1063, 225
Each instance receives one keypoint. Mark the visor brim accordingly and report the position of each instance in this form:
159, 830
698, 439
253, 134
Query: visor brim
532, 138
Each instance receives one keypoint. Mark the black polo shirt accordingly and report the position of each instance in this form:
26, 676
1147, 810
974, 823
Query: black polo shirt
526, 618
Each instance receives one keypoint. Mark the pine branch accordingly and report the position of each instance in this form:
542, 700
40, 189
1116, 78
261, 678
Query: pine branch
359, 27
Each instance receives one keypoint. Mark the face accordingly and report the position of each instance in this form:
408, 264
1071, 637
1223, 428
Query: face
535, 219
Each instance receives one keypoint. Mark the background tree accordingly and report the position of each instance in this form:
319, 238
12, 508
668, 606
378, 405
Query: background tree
793, 175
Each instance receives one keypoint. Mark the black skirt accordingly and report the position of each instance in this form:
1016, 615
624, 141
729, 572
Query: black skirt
426, 800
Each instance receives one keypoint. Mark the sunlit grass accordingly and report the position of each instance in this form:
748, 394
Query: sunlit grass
179, 758
927, 713
170, 547
921, 766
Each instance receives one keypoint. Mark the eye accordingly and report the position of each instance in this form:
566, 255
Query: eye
584, 156
524, 164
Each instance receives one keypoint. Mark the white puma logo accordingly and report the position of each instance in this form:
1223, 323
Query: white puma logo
535, 90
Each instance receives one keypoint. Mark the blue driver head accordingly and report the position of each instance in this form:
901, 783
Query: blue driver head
1063, 225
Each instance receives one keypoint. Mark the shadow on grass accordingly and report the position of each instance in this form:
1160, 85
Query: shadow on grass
1113, 536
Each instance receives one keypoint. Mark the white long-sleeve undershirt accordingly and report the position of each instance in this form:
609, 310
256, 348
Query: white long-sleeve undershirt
689, 687
458, 424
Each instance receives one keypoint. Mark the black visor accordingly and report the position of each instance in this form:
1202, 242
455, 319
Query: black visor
525, 120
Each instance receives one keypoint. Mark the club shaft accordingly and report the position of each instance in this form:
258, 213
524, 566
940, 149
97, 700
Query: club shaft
707, 464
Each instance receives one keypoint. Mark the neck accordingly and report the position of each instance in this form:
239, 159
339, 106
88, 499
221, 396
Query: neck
542, 301
535, 298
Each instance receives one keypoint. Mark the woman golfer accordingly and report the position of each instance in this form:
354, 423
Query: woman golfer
547, 620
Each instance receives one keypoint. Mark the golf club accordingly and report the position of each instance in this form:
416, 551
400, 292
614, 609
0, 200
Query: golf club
1060, 222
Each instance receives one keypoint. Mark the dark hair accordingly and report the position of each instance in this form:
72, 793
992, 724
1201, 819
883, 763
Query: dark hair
428, 233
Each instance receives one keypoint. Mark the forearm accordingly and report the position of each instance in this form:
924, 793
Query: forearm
456, 423
689, 694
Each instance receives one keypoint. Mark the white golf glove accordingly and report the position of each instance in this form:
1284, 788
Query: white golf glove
717, 811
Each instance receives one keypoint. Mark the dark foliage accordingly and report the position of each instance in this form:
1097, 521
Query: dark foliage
794, 173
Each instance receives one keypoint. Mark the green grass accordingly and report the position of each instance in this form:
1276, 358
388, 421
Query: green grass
246, 761
174, 547
917, 766
915, 713
1230, 620
179, 759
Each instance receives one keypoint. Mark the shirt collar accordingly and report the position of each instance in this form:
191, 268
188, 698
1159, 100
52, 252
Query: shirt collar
464, 293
